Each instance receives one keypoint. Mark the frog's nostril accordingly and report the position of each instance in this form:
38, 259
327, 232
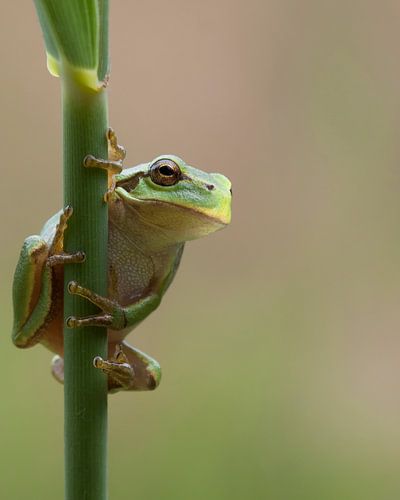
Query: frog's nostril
230, 191
210, 187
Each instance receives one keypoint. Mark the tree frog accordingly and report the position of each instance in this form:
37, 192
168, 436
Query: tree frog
153, 208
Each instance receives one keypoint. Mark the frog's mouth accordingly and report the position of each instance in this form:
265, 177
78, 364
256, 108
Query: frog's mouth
125, 196
218, 217
128, 185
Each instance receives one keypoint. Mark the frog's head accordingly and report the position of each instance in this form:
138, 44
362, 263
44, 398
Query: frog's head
183, 202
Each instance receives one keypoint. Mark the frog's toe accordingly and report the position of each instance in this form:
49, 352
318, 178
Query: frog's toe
120, 372
73, 287
66, 258
147, 371
95, 320
113, 315
67, 212
115, 150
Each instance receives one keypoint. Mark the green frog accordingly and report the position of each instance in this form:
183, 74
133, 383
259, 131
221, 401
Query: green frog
153, 209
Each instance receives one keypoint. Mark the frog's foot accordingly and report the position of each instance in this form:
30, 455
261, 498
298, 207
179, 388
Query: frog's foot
112, 166
116, 156
56, 253
129, 369
66, 258
112, 315
146, 369
118, 369
120, 372
115, 151
58, 240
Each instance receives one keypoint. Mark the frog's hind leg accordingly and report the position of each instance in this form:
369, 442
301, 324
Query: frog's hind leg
31, 292
33, 282
129, 369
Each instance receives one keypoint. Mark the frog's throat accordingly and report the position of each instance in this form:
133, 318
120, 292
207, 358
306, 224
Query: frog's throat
127, 198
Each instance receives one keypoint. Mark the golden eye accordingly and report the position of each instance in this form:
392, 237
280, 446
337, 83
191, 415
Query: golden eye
165, 172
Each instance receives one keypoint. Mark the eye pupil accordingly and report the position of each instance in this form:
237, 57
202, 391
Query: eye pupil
166, 170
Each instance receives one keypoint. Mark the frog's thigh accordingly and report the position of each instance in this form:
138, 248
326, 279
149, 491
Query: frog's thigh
146, 370
31, 292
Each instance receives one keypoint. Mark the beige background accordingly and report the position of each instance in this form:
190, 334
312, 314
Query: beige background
279, 339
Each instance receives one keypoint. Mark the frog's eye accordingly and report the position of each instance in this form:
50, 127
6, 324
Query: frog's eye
165, 172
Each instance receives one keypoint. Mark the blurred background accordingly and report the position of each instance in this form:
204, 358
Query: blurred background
279, 339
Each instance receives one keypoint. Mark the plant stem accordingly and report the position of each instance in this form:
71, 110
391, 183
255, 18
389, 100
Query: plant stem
84, 132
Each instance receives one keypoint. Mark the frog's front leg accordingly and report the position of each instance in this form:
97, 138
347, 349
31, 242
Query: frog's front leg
33, 283
113, 315
114, 163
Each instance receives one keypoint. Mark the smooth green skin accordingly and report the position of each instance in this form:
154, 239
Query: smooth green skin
148, 226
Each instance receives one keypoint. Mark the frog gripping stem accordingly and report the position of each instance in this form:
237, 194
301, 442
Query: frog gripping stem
118, 368
112, 314
113, 165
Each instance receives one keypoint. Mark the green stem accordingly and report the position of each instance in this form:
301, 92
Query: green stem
85, 125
